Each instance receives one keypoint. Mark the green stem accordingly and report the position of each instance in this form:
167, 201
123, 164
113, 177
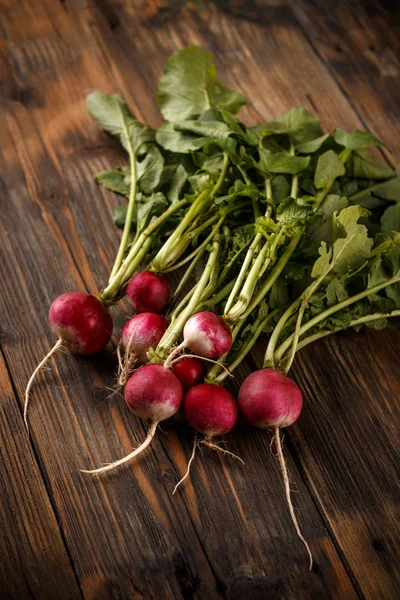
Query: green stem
247, 290
333, 309
366, 319
188, 273
242, 274
245, 349
131, 262
174, 331
220, 295
130, 210
273, 276
198, 250
269, 354
176, 237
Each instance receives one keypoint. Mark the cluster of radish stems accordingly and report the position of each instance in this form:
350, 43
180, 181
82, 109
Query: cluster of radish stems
157, 389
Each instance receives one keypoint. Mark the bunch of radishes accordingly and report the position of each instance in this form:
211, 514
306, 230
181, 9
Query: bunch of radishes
266, 223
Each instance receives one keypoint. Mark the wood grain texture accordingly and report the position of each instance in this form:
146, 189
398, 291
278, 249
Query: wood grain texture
227, 534
34, 561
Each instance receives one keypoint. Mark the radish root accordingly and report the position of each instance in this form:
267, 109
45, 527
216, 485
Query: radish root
126, 363
209, 443
284, 470
127, 458
40, 366
189, 464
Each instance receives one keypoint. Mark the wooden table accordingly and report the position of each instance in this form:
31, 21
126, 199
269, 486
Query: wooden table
227, 534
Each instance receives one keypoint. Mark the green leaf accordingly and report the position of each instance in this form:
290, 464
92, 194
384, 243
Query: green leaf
312, 145
211, 129
321, 228
352, 246
240, 189
119, 216
279, 295
178, 141
266, 225
149, 170
112, 115
322, 264
280, 188
280, 162
390, 220
357, 139
189, 86
302, 125
177, 183
290, 214
329, 166
335, 292
389, 190
369, 168
149, 206
114, 181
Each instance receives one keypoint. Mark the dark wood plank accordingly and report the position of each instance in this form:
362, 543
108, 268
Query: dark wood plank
228, 533
34, 561
360, 44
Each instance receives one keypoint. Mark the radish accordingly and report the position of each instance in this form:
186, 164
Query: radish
268, 399
207, 335
211, 410
140, 333
147, 292
82, 325
154, 394
190, 371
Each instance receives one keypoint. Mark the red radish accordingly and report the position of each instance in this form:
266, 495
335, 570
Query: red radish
82, 325
210, 409
268, 399
147, 292
142, 332
207, 335
190, 371
154, 394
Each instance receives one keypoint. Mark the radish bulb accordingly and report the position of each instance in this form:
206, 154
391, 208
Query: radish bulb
268, 399
207, 335
140, 333
147, 292
189, 370
211, 410
154, 394
82, 325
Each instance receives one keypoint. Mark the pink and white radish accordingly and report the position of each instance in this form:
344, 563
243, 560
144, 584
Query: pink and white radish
142, 332
207, 335
154, 394
148, 292
268, 399
82, 325
190, 371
